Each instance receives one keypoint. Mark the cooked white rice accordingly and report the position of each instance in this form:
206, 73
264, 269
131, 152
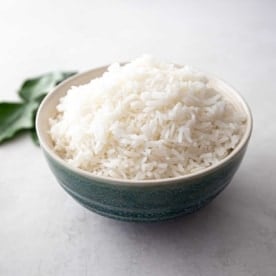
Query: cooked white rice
145, 120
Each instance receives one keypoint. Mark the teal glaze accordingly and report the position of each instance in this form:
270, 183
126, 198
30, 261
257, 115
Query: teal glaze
145, 203
150, 200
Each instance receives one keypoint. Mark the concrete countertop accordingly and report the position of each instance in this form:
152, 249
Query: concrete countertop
44, 232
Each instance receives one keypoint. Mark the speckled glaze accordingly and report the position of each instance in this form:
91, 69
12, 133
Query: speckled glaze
145, 200
145, 203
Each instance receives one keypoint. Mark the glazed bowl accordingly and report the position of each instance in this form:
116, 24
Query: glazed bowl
147, 200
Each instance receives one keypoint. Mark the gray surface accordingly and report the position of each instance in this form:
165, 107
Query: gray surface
44, 232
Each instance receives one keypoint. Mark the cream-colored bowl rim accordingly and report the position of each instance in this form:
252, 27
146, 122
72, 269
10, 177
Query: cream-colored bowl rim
84, 77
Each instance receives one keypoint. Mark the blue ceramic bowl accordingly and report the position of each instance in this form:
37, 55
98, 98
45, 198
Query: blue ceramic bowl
150, 200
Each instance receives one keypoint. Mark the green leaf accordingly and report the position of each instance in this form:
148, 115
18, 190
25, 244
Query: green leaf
15, 117
34, 136
34, 88
66, 75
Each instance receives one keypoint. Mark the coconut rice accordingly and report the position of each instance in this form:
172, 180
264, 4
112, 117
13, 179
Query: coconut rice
145, 120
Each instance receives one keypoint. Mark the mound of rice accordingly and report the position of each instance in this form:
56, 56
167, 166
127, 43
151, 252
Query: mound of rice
145, 120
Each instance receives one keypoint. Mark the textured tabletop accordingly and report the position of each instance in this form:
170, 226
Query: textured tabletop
45, 232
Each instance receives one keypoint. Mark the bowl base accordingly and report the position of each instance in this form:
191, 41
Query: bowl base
143, 217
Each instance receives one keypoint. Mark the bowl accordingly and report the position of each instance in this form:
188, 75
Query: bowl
147, 200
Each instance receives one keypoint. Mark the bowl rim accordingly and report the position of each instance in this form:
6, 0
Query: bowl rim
151, 182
